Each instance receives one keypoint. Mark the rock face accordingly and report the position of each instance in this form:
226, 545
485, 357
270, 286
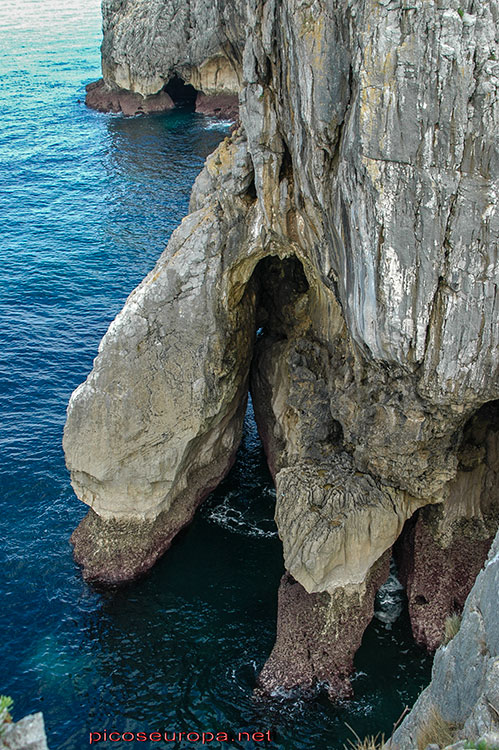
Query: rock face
465, 680
146, 45
26, 734
341, 257
225, 106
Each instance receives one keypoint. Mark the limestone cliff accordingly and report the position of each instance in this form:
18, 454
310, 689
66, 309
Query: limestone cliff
340, 257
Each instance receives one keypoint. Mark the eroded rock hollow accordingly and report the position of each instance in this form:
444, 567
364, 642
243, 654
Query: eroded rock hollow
339, 259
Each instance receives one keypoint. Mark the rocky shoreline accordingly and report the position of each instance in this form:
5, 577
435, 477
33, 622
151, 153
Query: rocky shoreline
104, 98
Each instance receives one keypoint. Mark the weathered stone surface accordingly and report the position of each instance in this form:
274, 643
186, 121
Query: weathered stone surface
335, 522
105, 99
352, 221
318, 635
26, 734
145, 43
465, 677
143, 449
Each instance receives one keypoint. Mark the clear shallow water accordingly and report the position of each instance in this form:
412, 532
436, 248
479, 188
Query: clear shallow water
87, 202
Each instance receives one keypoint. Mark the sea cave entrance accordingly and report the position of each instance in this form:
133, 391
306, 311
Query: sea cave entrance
182, 94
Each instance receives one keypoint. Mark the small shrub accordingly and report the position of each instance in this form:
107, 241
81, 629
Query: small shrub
436, 731
368, 743
451, 628
6, 704
461, 12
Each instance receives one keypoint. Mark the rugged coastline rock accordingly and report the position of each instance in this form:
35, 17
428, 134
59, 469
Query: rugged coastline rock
319, 634
150, 48
26, 734
464, 689
442, 550
340, 259
106, 99
224, 106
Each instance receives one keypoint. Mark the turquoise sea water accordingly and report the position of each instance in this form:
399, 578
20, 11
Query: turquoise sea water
87, 202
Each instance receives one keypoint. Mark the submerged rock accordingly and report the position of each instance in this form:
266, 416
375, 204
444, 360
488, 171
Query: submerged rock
340, 255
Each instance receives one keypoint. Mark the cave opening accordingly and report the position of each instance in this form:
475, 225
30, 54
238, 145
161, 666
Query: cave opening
281, 293
453, 537
270, 308
478, 432
182, 94
280, 285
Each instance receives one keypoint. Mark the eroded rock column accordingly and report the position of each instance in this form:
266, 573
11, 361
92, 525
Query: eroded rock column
158, 421
319, 634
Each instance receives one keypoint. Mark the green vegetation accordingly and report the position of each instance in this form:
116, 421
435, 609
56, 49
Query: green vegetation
482, 745
436, 731
451, 628
461, 12
6, 704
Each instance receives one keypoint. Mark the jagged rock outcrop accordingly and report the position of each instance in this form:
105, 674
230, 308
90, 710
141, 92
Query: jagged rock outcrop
146, 45
342, 245
464, 688
144, 449
25, 734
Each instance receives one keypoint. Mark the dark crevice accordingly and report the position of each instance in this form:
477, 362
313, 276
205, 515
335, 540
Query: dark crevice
286, 170
251, 191
279, 285
183, 94
473, 443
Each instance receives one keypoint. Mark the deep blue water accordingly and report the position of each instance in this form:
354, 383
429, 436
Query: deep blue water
87, 203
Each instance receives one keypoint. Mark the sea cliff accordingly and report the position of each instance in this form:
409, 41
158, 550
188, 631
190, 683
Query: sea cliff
340, 261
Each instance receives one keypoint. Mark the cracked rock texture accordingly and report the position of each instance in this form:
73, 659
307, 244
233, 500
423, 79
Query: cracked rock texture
465, 679
351, 221
145, 43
